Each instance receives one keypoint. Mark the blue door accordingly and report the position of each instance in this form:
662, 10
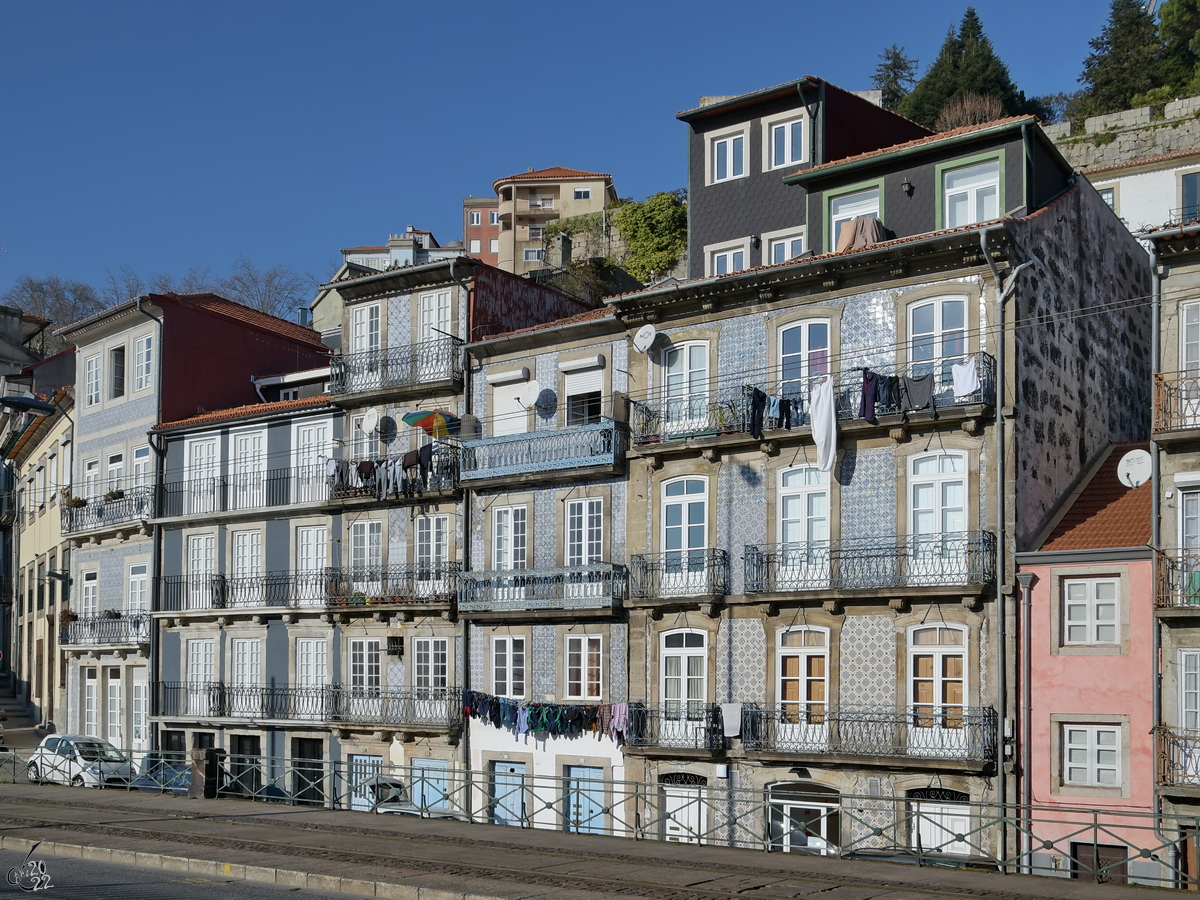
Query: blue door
585, 799
361, 769
508, 793
429, 783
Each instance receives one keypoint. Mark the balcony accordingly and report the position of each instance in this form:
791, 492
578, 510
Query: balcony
727, 409
365, 588
92, 630
916, 733
539, 206
1177, 582
1176, 406
408, 367
679, 574
1178, 759
433, 709
205, 495
950, 560
594, 586
439, 477
678, 726
111, 504
560, 453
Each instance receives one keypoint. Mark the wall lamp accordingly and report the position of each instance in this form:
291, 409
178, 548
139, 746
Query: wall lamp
906, 186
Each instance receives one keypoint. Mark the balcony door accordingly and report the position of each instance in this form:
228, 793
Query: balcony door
249, 470
246, 697
938, 332
584, 547
803, 561
364, 371
684, 537
683, 719
246, 588
201, 678
432, 554
937, 691
509, 546
803, 690
804, 358
1187, 769
1189, 357
201, 571
685, 388
312, 548
203, 477
313, 444
312, 678
366, 557
938, 509
365, 700
434, 325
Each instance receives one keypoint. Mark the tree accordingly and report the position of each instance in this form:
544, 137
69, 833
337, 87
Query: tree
1126, 60
278, 290
1179, 30
894, 76
969, 109
655, 233
60, 300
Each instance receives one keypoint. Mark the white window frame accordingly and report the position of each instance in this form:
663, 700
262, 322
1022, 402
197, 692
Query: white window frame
949, 344
583, 527
787, 240
435, 315
972, 193
813, 361
581, 193
722, 259
494, 245
938, 480
475, 217
432, 541
476, 246
90, 682
91, 380
510, 538
939, 652
431, 663
685, 392
733, 141
1086, 747
792, 158
137, 598
807, 558
141, 467
143, 362
805, 706
510, 677
861, 205
140, 714
494, 217
117, 373
534, 254
91, 479
90, 598
695, 703
582, 686
680, 574
1089, 606
364, 669
366, 328
1189, 690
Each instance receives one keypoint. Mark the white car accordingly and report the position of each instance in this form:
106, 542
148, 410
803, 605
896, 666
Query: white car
79, 760
390, 795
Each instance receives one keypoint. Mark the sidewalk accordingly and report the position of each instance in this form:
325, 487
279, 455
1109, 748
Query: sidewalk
429, 859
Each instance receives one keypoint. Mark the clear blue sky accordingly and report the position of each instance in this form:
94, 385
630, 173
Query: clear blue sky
166, 135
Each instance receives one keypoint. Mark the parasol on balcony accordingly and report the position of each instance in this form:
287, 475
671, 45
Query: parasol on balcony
437, 423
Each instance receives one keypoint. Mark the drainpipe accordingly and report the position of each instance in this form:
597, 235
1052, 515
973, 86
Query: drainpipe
1155, 513
464, 740
1025, 579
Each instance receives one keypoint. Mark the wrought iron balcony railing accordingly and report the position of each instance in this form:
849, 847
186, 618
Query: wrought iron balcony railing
205, 494
587, 586
352, 586
1178, 756
388, 477
439, 707
923, 732
396, 367
923, 560
1177, 579
108, 504
679, 725
126, 628
600, 444
728, 407
679, 573
1176, 401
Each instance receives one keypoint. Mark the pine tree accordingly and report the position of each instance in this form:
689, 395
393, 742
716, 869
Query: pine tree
1126, 60
1179, 30
894, 76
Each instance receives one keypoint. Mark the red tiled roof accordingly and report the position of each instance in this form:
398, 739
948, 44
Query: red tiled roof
919, 142
36, 422
1106, 513
239, 412
1143, 161
242, 313
550, 174
352, 249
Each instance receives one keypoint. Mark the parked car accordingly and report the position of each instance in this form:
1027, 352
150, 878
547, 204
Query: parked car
78, 760
390, 795
164, 773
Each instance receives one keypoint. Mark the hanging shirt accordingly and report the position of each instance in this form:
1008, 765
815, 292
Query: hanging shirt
870, 387
823, 416
731, 717
966, 378
916, 393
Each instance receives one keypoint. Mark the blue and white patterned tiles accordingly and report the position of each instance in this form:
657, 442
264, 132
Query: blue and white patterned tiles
741, 661
741, 514
868, 479
395, 674
868, 663
868, 330
742, 348
478, 638
545, 662
545, 532
620, 365
399, 313
618, 662
545, 369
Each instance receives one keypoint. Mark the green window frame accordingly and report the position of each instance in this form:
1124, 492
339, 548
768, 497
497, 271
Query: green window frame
828, 244
940, 170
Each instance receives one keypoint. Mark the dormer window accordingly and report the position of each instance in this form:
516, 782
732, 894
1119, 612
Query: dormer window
843, 209
972, 193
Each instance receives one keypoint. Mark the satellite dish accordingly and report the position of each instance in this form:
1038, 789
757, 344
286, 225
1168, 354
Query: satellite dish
644, 338
546, 403
370, 420
1134, 468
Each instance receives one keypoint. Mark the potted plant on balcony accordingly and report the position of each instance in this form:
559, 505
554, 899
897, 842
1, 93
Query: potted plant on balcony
358, 598
112, 614
114, 494
69, 615
651, 425
77, 503
726, 416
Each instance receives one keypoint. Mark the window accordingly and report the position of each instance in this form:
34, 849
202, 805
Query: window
141, 709
201, 568
938, 496
782, 249
722, 262
39, 486
685, 384
476, 245
289, 393
1091, 755
312, 549
972, 193
532, 255
1189, 689
91, 380
1108, 195
141, 467
364, 665
583, 667
138, 589
432, 532
937, 677
366, 556
91, 594
583, 193
787, 143
684, 674
508, 667
583, 389
1189, 186
312, 670
684, 536
435, 316
537, 232
116, 372
143, 355
541, 201
476, 217
116, 471
844, 209
89, 703
364, 328
201, 661
803, 523
494, 217
938, 336
494, 245
1089, 611
803, 675
803, 355
728, 158
430, 663
585, 532
509, 537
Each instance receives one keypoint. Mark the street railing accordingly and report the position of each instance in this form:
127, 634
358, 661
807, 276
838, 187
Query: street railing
948, 559
409, 365
123, 628
586, 586
926, 826
599, 444
205, 494
113, 505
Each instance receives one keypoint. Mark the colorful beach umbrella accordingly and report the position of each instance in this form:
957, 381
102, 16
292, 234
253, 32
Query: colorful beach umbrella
437, 423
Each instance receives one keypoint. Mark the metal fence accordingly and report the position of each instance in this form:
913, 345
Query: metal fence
679, 573
386, 477
1177, 579
599, 444
591, 586
926, 826
410, 365
115, 506
1176, 400
949, 559
677, 725
123, 628
260, 489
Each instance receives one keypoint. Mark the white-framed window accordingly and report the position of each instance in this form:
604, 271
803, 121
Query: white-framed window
141, 467
684, 673
430, 663
312, 554
803, 514
140, 713
585, 667
1189, 689
684, 524
728, 155
1189, 338
91, 594
847, 207
91, 380
202, 661
203, 476
89, 703
1090, 611
476, 245
139, 593
787, 143
972, 193
534, 255
494, 217
781, 249
509, 537
723, 260
365, 671
91, 479
246, 587
938, 335
292, 393
366, 553
364, 328
1091, 755
435, 316
1189, 195
803, 355
685, 383
312, 664
803, 673
116, 372
937, 494
201, 568
143, 359
39, 486
116, 471
432, 541
585, 531
508, 666
494, 245
583, 193
937, 679
476, 217
1108, 195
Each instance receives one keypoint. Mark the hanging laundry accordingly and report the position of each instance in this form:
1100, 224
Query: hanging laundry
870, 388
916, 393
773, 404
619, 723
824, 424
758, 408
966, 378
789, 412
731, 718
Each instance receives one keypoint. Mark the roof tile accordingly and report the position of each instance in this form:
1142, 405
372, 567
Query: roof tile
551, 173
1106, 513
241, 412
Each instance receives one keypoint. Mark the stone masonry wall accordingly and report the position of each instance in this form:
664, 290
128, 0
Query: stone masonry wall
1132, 134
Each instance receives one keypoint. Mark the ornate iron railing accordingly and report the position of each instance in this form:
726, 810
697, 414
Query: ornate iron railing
925, 560
681, 725
389, 477
1178, 757
427, 707
729, 408
591, 586
1176, 401
350, 586
679, 573
600, 444
126, 628
396, 367
200, 495
920, 732
1177, 579
111, 505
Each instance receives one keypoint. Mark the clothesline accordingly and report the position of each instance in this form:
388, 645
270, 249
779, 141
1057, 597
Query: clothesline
523, 717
